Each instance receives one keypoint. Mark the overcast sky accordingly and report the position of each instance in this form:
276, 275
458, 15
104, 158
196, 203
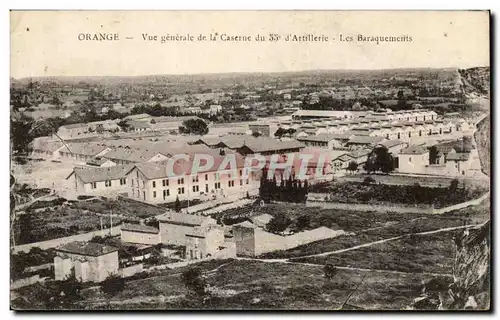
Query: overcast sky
45, 43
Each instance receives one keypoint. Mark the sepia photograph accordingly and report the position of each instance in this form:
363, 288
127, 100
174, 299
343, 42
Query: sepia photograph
250, 160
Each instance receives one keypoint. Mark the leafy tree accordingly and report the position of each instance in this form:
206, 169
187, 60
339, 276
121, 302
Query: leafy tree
112, 285
194, 126
353, 166
454, 185
380, 160
433, 155
64, 294
281, 132
177, 206
155, 257
256, 134
368, 180
123, 124
329, 271
278, 223
99, 129
303, 223
195, 283
152, 222
21, 134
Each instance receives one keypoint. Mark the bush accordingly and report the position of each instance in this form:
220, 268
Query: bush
368, 180
278, 223
329, 271
112, 285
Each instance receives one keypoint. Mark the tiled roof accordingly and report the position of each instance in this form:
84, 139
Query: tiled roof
85, 148
360, 153
88, 175
157, 170
364, 140
415, 150
391, 143
87, 248
263, 145
97, 161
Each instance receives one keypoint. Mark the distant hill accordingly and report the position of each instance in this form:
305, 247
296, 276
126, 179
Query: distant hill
234, 78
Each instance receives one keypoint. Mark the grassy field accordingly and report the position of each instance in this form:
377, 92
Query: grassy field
365, 227
260, 285
433, 253
403, 180
255, 285
46, 220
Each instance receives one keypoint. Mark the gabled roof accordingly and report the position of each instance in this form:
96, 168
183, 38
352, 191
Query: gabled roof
345, 158
360, 153
415, 150
92, 249
46, 146
263, 145
88, 175
139, 124
364, 140
85, 148
391, 143
97, 161
160, 169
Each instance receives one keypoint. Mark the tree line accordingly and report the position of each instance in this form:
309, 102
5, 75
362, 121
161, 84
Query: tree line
289, 190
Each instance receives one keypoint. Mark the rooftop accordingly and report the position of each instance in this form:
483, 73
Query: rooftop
458, 156
88, 175
179, 167
139, 228
415, 150
183, 218
365, 140
87, 248
391, 143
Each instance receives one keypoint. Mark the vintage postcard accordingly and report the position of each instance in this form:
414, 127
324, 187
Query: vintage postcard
250, 160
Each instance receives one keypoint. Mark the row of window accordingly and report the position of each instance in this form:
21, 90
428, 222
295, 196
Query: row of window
165, 182
196, 188
107, 183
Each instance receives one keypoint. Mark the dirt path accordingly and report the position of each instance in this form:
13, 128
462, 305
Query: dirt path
29, 203
369, 244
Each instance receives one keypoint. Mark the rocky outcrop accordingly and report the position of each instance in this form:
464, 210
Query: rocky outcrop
470, 287
475, 81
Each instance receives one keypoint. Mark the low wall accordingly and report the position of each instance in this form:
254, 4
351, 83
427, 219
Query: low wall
392, 208
115, 231
26, 282
130, 271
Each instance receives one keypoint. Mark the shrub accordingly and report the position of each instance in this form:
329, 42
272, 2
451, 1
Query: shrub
368, 180
112, 285
329, 271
